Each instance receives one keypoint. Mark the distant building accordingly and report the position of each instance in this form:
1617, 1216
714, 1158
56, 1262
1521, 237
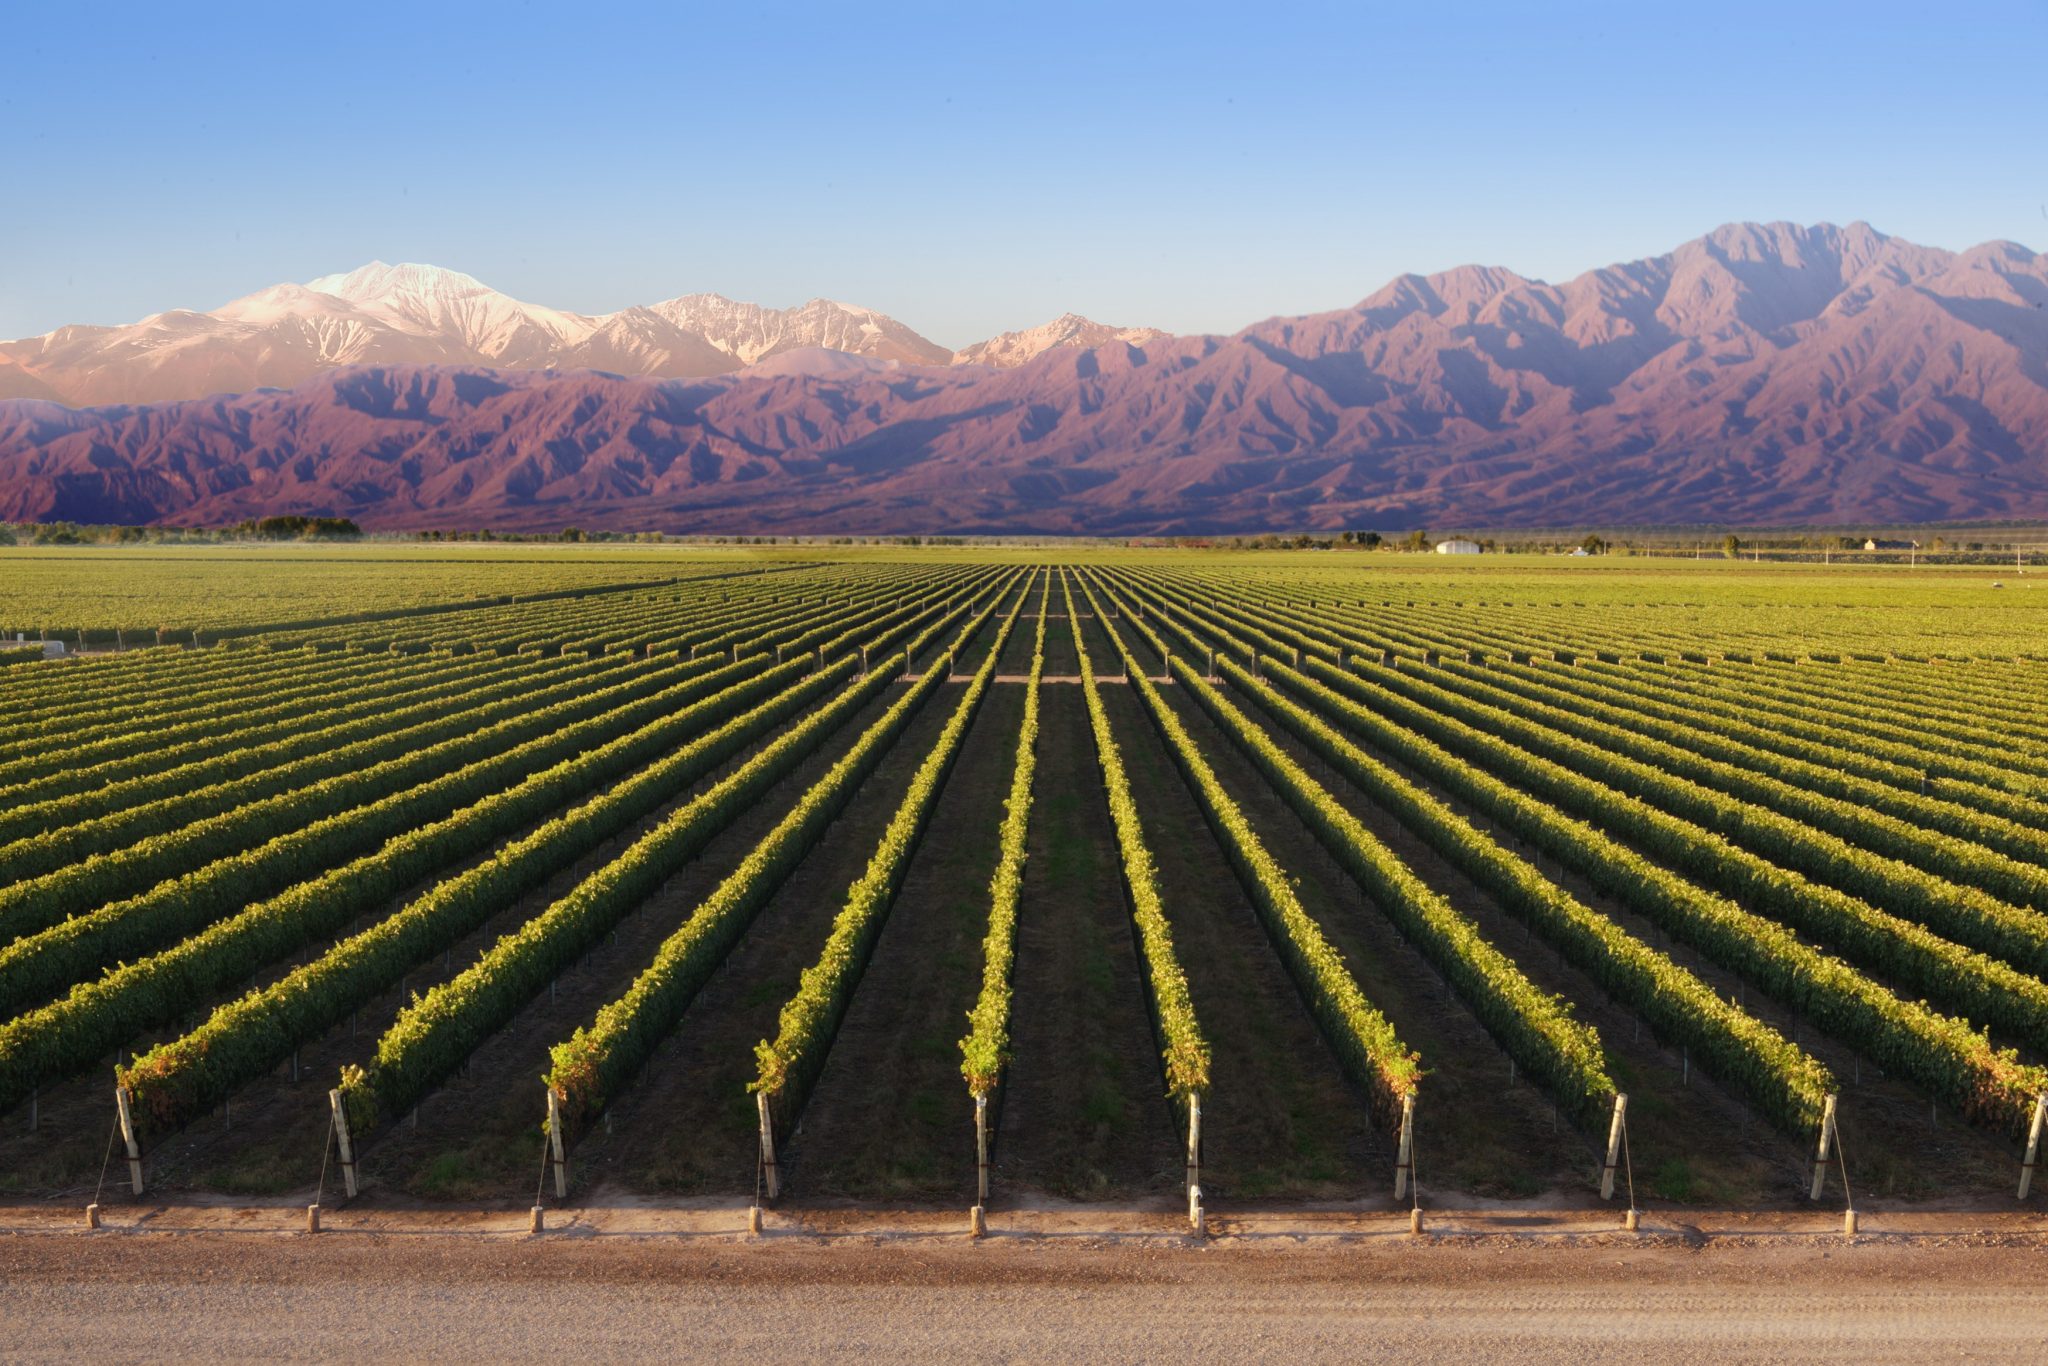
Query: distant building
1457, 547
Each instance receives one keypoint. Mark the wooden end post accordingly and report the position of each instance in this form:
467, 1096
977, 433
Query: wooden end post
1195, 1161
2033, 1145
312, 1218
1614, 1129
556, 1155
92, 1216
122, 1106
1404, 1160
981, 1150
1820, 1157
774, 1183
343, 1143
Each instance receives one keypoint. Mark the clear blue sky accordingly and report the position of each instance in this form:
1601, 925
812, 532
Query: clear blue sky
973, 167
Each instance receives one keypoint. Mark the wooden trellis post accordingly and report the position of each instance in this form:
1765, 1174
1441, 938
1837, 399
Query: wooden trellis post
556, 1155
981, 1149
1404, 1159
1820, 1157
1195, 1162
123, 1108
344, 1143
768, 1176
1614, 1129
2033, 1145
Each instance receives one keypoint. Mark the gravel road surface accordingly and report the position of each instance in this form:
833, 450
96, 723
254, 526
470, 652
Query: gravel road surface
135, 1293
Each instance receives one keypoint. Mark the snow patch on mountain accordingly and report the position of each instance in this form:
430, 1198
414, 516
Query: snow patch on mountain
1069, 330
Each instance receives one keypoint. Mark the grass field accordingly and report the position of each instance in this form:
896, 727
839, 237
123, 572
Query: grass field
1113, 844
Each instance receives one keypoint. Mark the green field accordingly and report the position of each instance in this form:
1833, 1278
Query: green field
1109, 844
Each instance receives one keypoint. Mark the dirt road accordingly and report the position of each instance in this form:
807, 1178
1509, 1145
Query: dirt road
480, 1291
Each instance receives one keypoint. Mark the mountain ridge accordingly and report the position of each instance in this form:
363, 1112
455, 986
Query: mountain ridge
1762, 373
411, 313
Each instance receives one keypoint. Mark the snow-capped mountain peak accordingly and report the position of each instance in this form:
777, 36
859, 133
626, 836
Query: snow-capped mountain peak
1068, 330
414, 313
750, 332
437, 301
378, 282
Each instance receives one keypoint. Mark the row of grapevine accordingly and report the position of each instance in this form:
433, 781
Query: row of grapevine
1784, 1082
435, 1033
1972, 807
1842, 766
247, 1036
1934, 836
42, 964
661, 622
1358, 1033
1948, 734
310, 691
403, 732
1184, 1052
115, 702
1962, 913
47, 1043
467, 738
1536, 1028
1942, 1053
1893, 848
159, 754
590, 1067
788, 1064
985, 1051
1988, 990
116, 793
509, 625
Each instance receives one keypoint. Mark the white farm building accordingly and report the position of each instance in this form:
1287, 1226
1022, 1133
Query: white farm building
1457, 547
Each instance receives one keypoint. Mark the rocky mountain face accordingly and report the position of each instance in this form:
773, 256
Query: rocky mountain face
1764, 373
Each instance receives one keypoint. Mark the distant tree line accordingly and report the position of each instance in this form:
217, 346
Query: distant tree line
1984, 544
290, 528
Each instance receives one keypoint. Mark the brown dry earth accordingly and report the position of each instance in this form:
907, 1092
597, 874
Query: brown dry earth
1055, 1283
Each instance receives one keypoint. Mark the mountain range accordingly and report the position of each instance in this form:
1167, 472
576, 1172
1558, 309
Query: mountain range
424, 315
1762, 373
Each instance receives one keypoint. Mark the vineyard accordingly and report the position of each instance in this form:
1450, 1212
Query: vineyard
975, 875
